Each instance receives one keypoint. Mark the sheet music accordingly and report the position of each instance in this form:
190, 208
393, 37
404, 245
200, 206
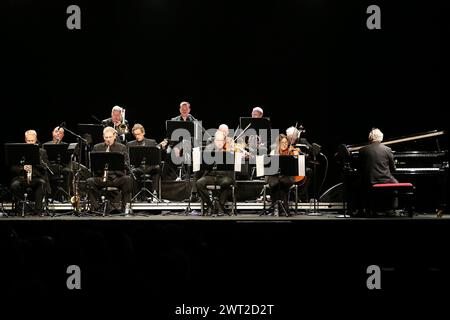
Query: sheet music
301, 165
196, 159
260, 166
237, 161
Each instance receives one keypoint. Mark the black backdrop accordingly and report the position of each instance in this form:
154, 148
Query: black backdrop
311, 62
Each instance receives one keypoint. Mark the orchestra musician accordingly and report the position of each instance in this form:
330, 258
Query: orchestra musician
302, 145
280, 185
59, 169
376, 162
257, 112
116, 179
118, 122
57, 136
224, 179
154, 171
34, 177
185, 109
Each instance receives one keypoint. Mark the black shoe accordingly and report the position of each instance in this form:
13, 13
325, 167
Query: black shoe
194, 198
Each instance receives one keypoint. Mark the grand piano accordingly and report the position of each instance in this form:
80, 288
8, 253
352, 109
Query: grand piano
421, 159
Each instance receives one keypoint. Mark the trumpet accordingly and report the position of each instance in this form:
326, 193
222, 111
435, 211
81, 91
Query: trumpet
123, 128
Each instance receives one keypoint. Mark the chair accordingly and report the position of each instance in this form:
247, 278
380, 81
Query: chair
391, 192
214, 198
109, 196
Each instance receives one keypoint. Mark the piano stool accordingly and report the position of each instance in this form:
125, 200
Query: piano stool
382, 192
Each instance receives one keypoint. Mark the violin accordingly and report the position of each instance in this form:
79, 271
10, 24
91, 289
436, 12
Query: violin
294, 151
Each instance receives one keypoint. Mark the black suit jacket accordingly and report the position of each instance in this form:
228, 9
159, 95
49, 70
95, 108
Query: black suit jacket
39, 171
116, 147
377, 164
146, 142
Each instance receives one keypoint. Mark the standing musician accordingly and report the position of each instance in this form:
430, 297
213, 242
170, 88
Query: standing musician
224, 179
34, 177
257, 112
280, 185
154, 170
116, 179
185, 109
118, 122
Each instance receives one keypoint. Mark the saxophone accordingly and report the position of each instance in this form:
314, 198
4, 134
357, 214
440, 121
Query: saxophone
75, 199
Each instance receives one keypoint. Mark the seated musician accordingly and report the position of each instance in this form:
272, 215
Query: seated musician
377, 160
115, 121
116, 179
294, 137
376, 163
62, 171
31, 176
153, 170
280, 185
224, 179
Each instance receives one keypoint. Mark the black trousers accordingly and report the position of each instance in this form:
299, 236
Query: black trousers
279, 187
94, 184
37, 186
155, 175
225, 183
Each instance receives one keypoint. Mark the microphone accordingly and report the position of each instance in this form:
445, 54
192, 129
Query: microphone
62, 125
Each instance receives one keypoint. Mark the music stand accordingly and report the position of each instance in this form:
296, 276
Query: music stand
102, 161
20, 154
92, 134
186, 131
59, 155
315, 151
142, 156
284, 166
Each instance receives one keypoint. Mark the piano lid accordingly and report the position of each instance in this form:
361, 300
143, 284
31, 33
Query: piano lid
408, 138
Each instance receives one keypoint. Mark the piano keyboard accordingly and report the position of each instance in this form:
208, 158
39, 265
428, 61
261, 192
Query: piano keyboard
416, 169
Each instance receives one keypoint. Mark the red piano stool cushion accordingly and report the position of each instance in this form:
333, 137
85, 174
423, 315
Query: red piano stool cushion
393, 185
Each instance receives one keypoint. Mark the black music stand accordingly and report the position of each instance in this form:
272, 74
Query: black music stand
102, 161
315, 151
284, 166
140, 157
58, 155
182, 132
92, 134
20, 154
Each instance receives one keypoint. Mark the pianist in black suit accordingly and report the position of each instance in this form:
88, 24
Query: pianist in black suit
154, 170
116, 179
377, 161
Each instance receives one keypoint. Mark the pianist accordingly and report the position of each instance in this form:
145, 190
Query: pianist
377, 161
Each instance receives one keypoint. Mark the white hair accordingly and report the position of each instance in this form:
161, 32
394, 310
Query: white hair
375, 135
109, 129
116, 108
223, 127
258, 109
291, 131
31, 133
185, 103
